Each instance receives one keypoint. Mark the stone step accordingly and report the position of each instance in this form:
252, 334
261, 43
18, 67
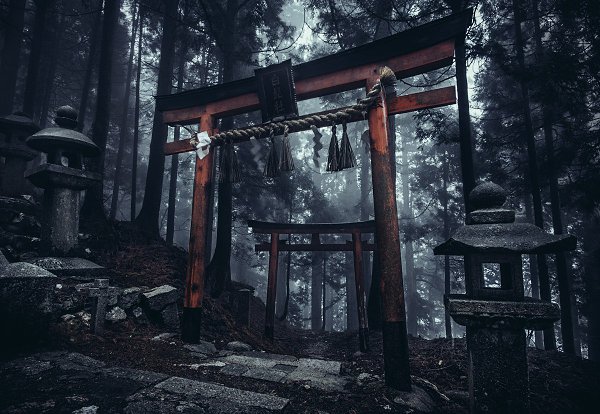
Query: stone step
191, 394
318, 373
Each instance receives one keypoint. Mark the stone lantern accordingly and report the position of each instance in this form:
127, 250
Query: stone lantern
62, 177
494, 308
14, 129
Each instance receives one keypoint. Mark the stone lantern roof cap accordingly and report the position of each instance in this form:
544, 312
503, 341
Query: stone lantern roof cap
491, 229
63, 136
18, 121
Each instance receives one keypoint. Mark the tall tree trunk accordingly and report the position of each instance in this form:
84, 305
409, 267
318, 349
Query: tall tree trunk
351, 297
534, 181
35, 55
50, 72
409, 260
446, 235
568, 315
136, 122
89, 69
591, 279
534, 273
123, 126
218, 272
9, 69
175, 159
365, 210
464, 118
93, 206
316, 288
147, 219
365, 214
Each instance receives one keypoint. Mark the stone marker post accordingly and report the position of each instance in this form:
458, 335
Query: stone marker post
494, 308
63, 177
101, 294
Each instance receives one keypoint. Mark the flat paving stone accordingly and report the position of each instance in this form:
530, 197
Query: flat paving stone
143, 377
217, 394
265, 374
330, 367
70, 266
318, 373
234, 369
318, 379
285, 367
267, 355
249, 361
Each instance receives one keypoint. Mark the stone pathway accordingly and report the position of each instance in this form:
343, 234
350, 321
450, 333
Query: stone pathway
85, 385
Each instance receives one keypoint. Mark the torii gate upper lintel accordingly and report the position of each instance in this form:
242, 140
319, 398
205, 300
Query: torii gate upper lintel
418, 50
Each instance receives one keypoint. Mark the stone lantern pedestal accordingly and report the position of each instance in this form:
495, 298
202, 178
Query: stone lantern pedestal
63, 178
14, 129
494, 308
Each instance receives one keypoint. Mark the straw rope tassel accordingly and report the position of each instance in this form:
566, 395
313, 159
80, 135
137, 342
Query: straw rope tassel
229, 165
334, 152
347, 159
272, 165
286, 163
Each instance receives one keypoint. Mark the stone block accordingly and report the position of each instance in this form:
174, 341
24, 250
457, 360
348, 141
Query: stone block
158, 298
26, 297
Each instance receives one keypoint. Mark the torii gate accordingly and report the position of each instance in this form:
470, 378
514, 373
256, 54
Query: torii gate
421, 49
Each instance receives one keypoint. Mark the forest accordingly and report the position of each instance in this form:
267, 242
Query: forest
527, 118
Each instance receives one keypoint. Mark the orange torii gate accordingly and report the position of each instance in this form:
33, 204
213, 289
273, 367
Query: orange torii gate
421, 49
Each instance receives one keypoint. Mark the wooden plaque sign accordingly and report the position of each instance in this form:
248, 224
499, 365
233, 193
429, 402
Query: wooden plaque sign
276, 92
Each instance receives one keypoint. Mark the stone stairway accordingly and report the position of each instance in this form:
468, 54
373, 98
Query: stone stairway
79, 384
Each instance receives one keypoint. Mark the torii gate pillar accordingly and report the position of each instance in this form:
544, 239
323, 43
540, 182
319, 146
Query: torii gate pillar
395, 340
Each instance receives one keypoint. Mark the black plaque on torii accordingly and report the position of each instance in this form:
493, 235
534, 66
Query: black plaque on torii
276, 92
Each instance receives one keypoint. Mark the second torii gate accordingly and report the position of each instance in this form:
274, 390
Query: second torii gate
418, 50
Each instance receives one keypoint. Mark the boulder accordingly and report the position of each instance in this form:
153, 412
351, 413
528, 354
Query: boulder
130, 297
159, 298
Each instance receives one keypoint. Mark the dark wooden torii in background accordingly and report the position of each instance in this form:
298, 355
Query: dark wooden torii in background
316, 229
421, 49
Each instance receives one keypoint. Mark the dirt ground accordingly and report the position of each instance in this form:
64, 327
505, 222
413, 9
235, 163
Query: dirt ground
559, 383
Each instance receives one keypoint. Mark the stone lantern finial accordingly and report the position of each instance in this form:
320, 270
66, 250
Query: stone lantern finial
66, 117
487, 195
